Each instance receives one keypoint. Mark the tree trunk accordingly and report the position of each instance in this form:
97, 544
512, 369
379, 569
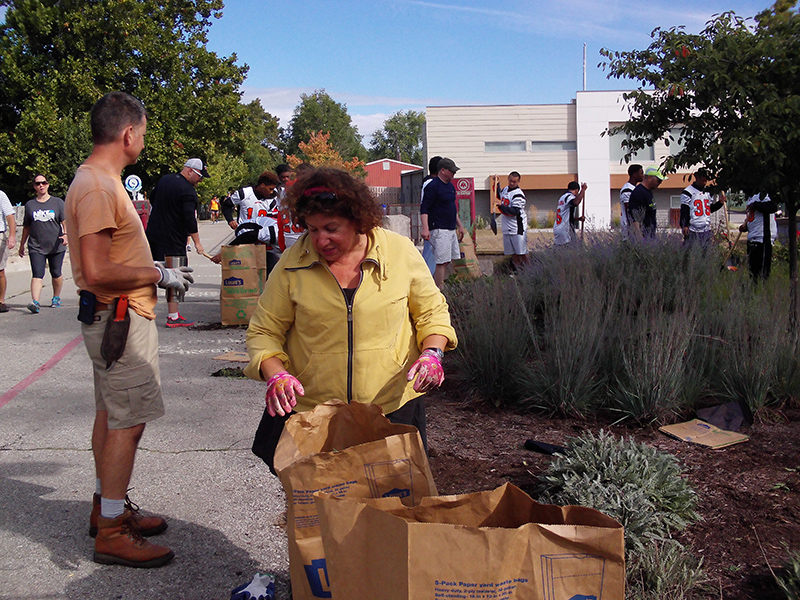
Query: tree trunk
791, 209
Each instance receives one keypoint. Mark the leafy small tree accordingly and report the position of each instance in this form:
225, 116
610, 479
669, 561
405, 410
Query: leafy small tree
400, 138
59, 57
259, 140
734, 92
318, 152
319, 112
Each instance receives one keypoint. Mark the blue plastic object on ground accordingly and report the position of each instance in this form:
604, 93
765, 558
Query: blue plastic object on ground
261, 588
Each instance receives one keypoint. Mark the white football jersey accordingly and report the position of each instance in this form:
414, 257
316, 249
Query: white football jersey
512, 224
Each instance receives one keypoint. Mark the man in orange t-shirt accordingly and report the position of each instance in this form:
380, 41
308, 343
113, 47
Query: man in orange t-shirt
110, 258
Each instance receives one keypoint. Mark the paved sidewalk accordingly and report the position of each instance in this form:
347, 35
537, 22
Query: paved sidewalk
194, 467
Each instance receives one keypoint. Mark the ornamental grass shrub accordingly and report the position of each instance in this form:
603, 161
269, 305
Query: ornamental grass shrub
643, 332
789, 578
643, 489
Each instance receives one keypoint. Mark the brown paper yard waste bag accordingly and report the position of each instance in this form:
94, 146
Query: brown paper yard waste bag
494, 545
467, 266
346, 450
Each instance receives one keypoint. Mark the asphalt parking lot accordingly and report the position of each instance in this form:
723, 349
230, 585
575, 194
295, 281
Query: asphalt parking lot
194, 466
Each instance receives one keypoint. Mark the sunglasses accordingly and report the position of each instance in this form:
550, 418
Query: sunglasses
39, 183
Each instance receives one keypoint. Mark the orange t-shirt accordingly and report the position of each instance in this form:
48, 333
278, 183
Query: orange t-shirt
96, 201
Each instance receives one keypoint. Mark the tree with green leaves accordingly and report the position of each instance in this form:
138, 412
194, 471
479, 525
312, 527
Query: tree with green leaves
733, 92
400, 138
261, 141
60, 56
319, 112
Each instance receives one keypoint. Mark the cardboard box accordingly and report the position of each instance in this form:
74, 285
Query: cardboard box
237, 311
705, 434
244, 274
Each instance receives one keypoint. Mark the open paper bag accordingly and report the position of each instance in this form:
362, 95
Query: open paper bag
495, 545
347, 450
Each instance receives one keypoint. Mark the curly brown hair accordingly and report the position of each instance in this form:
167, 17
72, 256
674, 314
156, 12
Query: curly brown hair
337, 193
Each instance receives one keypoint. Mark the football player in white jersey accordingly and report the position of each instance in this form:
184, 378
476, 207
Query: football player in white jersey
245, 199
696, 209
511, 204
566, 218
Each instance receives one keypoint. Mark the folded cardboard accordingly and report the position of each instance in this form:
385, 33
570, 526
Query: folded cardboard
233, 357
705, 434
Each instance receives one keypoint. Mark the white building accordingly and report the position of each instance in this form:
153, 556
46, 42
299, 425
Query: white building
549, 145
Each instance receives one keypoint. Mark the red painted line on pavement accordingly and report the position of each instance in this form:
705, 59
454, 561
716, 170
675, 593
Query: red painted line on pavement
25, 383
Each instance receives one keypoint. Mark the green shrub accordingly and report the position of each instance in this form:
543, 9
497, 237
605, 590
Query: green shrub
640, 331
789, 579
631, 482
641, 488
492, 338
663, 570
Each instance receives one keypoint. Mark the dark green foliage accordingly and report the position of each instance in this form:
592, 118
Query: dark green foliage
644, 332
319, 112
732, 92
59, 57
400, 138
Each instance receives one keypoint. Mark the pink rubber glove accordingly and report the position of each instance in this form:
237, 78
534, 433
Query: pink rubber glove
281, 390
428, 371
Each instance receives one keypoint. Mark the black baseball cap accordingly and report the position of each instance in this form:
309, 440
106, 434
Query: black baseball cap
447, 163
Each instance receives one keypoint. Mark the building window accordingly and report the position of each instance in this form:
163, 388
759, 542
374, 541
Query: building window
675, 202
387, 166
677, 143
504, 146
617, 151
554, 146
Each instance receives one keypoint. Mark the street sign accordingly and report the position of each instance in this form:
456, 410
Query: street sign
133, 184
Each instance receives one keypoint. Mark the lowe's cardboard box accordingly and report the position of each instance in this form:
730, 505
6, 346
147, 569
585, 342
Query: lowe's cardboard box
244, 272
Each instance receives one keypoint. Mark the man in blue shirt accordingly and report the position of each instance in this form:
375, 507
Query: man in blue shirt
642, 204
440, 221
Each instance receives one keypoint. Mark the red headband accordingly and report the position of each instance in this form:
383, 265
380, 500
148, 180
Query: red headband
316, 191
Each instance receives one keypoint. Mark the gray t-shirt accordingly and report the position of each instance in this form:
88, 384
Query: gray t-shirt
44, 220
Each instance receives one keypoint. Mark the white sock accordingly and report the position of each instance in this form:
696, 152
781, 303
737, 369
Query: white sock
97, 489
110, 509
173, 315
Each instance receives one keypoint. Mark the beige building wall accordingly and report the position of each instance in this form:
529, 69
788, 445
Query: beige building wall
462, 133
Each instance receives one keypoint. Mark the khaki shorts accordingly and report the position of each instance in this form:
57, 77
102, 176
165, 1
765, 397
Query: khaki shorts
445, 245
130, 391
4, 251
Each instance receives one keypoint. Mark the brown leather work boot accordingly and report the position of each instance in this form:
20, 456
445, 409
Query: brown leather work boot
119, 542
148, 526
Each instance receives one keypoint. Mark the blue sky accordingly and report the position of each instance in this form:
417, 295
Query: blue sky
378, 57
381, 56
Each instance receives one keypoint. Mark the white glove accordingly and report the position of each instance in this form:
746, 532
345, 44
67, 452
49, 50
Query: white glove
177, 278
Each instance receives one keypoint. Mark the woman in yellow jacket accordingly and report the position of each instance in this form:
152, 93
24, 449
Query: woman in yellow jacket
350, 312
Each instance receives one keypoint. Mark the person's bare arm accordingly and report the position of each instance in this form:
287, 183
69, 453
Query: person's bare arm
11, 227
99, 271
198, 247
26, 231
426, 233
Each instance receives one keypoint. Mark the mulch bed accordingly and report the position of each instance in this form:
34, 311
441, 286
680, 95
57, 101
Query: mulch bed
749, 494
